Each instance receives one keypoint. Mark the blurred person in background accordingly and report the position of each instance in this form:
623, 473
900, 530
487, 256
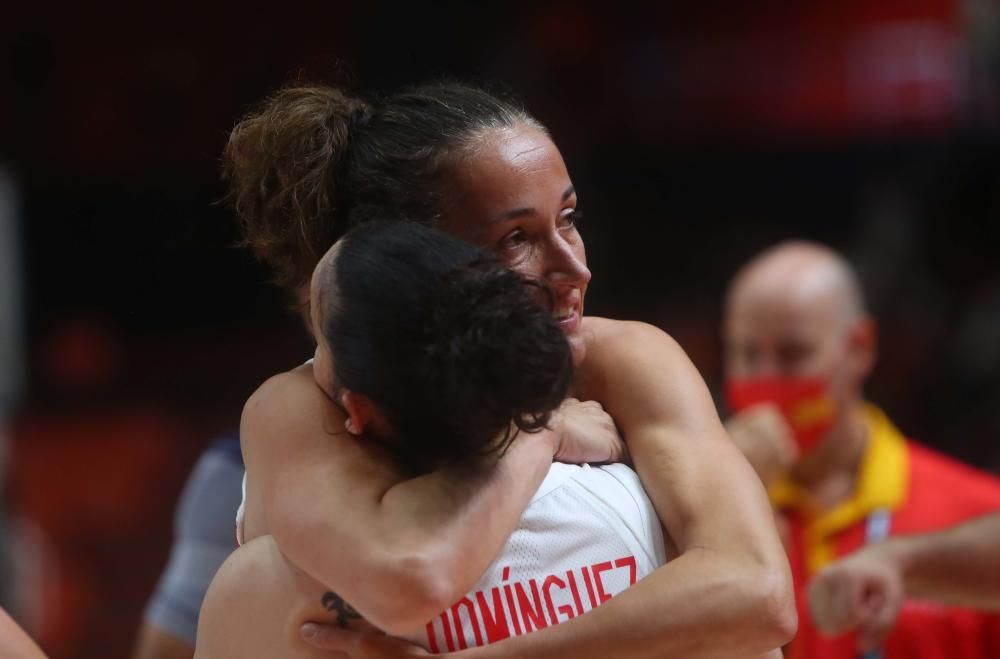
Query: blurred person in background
12, 349
799, 346
14, 642
203, 539
866, 590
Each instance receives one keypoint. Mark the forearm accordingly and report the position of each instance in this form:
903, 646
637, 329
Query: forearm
730, 591
455, 521
398, 549
720, 511
424, 542
958, 566
688, 608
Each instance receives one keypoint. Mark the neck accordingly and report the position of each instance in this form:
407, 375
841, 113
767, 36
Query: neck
830, 471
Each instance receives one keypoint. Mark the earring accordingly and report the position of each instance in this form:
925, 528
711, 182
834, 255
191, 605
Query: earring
349, 424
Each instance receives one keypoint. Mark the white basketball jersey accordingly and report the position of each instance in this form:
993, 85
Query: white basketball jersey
588, 533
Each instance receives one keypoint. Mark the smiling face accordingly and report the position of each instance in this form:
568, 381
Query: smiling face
513, 195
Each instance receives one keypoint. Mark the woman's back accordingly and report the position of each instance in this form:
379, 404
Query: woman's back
588, 534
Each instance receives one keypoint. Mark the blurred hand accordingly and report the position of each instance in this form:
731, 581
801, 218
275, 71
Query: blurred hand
862, 592
764, 437
359, 645
586, 434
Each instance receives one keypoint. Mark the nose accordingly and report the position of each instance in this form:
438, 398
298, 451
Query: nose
566, 263
763, 366
748, 361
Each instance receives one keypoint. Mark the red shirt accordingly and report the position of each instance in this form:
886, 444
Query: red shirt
915, 489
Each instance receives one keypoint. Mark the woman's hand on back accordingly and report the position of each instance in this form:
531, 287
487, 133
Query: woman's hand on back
586, 433
342, 643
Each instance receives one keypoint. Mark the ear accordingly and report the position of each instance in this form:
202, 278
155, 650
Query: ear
360, 411
863, 342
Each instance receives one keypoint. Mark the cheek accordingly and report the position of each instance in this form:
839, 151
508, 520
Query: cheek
841, 381
528, 263
735, 367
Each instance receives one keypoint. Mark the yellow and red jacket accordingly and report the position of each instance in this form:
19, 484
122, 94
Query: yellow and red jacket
902, 488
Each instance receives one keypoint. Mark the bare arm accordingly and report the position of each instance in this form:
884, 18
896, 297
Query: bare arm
730, 590
729, 593
865, 590
354, 645
342, 513
14, 643
958, 566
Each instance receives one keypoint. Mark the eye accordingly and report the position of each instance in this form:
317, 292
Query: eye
571, 217
514, 239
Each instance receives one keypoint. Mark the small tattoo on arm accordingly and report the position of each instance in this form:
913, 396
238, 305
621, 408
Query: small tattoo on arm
334, 603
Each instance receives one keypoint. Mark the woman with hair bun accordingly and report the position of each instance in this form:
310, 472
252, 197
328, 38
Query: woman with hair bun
314, 162
417, 328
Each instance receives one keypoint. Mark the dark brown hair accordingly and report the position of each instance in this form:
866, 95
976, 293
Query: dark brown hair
451, 345
312, 161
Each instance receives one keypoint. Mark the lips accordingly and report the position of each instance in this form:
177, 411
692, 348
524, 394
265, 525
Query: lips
567, 311
563, 313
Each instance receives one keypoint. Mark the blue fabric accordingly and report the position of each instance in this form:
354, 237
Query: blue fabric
204, 536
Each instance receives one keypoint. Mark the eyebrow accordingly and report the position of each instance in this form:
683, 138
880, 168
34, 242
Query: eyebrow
527, 210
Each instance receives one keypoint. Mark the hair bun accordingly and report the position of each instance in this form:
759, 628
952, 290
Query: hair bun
360, 116
282, 164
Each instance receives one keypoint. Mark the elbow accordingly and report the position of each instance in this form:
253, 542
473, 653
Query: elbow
414, 591
397, 591
773, 607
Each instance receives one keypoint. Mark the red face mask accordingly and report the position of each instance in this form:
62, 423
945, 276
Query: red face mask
804, 402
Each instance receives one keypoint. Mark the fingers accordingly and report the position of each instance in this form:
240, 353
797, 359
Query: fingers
835, 601
341, 643
882, 611
763, 436
358, 645
587, 433
585, 406
824, 603
326, 637
859, 593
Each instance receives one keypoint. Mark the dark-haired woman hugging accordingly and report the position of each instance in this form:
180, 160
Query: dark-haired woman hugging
314, 162
418, 329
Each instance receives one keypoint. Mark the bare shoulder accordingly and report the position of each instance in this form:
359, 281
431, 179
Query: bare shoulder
285, 407
291, 391
642, 376
256, 583
609, 335
618, 350
290, 427
14, 642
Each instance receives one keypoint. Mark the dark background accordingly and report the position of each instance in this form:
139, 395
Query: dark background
697, 133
